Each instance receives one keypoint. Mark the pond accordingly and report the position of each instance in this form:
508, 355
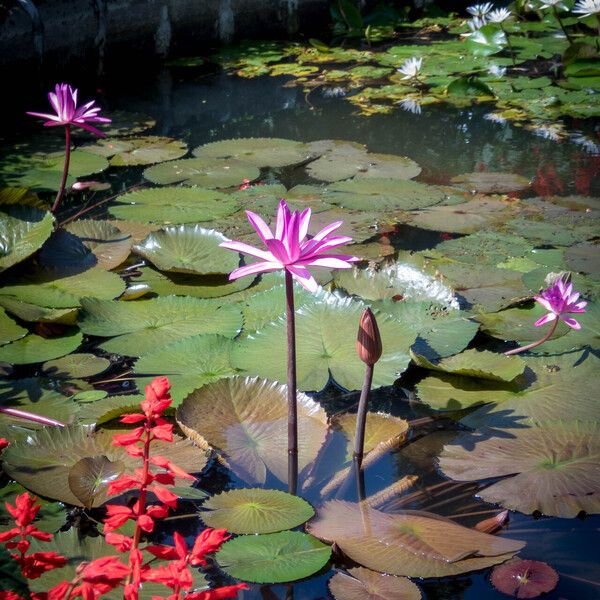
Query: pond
453, 249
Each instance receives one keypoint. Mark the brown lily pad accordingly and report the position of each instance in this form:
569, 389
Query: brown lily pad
524, 578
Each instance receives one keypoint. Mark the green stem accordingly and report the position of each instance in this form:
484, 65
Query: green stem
63, 182
291, 385
564, 30
534, 344
512, 53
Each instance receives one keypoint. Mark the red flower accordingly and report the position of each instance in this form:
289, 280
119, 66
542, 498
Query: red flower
208, 541
121, 542
56, 593
228, 591
36, 564
126, 439
117, 515
122, 484
161, 461
163, 432
165, 495
24, 510
3, 443
10, 595
174, 574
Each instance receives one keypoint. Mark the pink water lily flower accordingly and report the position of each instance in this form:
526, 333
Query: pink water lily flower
289, 248
560, 300
64, 102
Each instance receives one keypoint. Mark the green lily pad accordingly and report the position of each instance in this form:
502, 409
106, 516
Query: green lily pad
274, 557
414, 545
584, 258
109, 408
188, 249
75, 366
34, 348
360, 583
256, 511
487, 182
326, 336
246, 421
145, 324
147, 150
260, 152
550, 466
9, 330
109, 245
23, 230
203, 171
189, 363
174, 205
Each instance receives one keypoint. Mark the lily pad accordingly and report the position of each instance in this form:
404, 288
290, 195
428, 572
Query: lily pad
524, 578
145, 324
255, 511
189, 363
260, 152
487, 182
75, 366
109, 245
89, 476
551, 466
188, 249
337, 159
123, 122
274, 557
361, 584
147, 150
414, 545
326, 336
203, 171
246, 420
23, 230
174, 205
65, 254
34, 348
9, 329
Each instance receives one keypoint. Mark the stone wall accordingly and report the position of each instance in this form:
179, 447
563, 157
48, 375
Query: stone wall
65, 32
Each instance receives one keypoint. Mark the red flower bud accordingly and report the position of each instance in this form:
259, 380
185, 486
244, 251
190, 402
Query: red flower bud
368, 340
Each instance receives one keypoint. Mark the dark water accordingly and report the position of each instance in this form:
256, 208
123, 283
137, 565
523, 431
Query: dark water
202, 108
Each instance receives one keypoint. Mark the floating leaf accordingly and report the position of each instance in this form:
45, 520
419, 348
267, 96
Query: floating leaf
75, 366
413, 545
360, 583
255, 511
205, 172
189, 363
487, 182
338, 159
65, 254
9, 330
147, 150
274, 557
89, 476
261, 152
174, 205
23, 230
326, 336
109, 245
34, 348
551, 466
246, 419
145, 324
524, 578
188, 249
469, 86
110, 408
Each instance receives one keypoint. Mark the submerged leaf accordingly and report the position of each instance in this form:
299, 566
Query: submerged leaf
363, 584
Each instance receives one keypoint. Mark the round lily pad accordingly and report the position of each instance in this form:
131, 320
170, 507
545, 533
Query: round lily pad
75, 366
255, 511
273, 557
188, 249
261, 152
173, 205
524, 578
147, 150
203, 171
488, 182
34, 348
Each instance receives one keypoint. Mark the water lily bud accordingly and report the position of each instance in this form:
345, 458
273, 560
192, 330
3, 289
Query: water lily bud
368, 341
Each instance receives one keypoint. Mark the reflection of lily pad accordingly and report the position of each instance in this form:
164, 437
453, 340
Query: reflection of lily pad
173, 205
255, 511
142, 325
188, 249
205, 172
326, 335
246, 420
147, 150
551, 466
415, 545
487, 182
261, 152
360, 583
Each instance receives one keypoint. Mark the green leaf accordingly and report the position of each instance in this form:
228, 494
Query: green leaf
173, 205
11, 578
147, 150
255, 511
487, 182
188, 249
34, 348
468, 86
75, 366
142, 325
325, 337
23, 230
9, 330
487, 40
274, 557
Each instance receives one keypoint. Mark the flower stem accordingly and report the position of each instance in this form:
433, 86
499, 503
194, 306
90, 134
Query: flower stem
564, 30
63, 182
22, 414
361, 417
534, 344
512, 53
291, 385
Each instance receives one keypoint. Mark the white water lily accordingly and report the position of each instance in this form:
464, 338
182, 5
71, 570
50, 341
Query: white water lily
499, 15
411, 67
496, 71
480, 10
474, 24
587, 8
552, 4
411, 106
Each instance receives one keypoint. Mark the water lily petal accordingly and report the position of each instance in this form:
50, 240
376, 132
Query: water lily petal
304, 223
303, 277
545, 303
545, 319
278, 250
247, 249
571, 322
259, 267
263, 230
327, 230
341, 261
